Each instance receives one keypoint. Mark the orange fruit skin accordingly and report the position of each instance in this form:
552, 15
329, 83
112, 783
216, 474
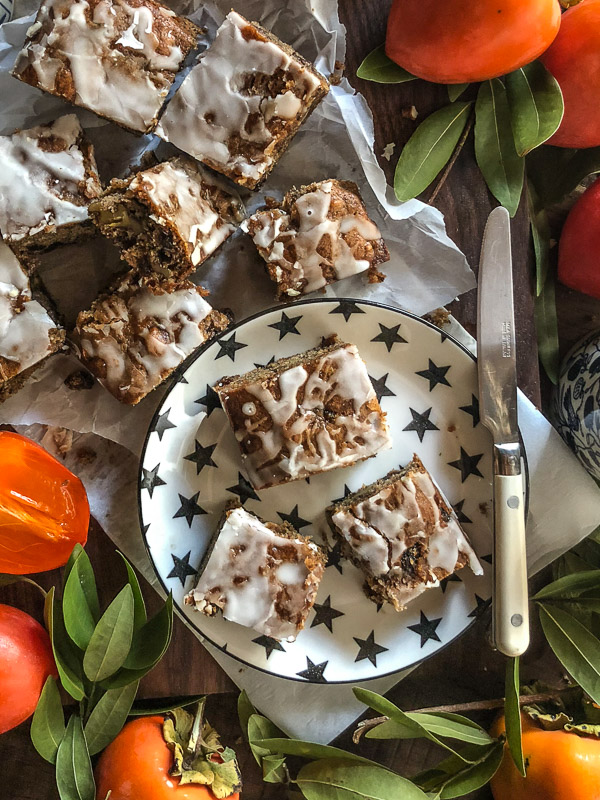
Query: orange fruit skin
574, 60
459, 41
561, 766
26, 660
135, 766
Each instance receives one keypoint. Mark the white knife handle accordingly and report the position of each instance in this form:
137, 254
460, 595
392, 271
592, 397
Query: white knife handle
510, 630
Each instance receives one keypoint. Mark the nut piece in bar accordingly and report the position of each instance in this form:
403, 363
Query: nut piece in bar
304, 414
170, 218
133, 337
238, 109
117, 58
48, 176
320, 234
402, 534
260, 575
28, 334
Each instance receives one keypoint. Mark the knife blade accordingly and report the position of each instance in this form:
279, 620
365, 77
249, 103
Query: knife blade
497, 371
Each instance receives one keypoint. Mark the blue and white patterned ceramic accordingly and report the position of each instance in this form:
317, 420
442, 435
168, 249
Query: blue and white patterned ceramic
191, 467
6, 10
577, 402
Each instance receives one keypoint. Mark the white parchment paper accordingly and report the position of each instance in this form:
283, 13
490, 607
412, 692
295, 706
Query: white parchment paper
426, 271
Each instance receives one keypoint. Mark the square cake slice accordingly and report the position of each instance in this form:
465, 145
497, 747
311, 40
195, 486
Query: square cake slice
260, 575
117, 58
170, 218
320, 234
305, 414
403, 535
238, 109
133, 337
28, 334
48, 176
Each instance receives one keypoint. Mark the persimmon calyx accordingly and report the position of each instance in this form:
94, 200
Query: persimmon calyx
199, 757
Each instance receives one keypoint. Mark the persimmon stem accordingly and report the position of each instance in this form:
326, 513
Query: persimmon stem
459, 146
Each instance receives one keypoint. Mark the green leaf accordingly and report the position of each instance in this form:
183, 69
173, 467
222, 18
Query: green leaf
260, 728
495, 151
512, 713
48, 723
589, 550
75, 553
108, 717
81, 609
245, 711
546, 325
124, 677
151, 641
451, 726
311, 750
74, 776
429, 149
474, 776
111, 640
274, 769
540, 233
377, 67
160, 705
574, 646
536, 105
139, 607
335, 779
67, 657
570, 586
456, 89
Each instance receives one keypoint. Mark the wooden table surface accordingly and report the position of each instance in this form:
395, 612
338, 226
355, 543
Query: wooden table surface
466, 670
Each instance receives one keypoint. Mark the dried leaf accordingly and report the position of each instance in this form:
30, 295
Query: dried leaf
495, 151
429, 149
536, 106
377, 67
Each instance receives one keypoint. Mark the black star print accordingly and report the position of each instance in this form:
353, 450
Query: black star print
347, 492
426, 629
229, 347
379, 607
444, 336
368, 648
314, 672
473, 410
145, 529
380, 388
269, 644
243, 489
325, 614
163, 424
183, 380
347, 308
286, 325
389, 336
453, 578
434, 375
189, 508
210, 400
481, 606
467, 465
334, 556
150, 479
202, 456
460, 514
420, 423
489, 558
270, 361
181, 568
294, 518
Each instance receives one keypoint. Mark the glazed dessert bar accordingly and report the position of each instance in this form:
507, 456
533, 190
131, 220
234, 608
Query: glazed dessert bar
48, 176
28, 334
170, 218
260, 575
403, 534
320, 234
238, 109
134, 337
304, 414
117, 58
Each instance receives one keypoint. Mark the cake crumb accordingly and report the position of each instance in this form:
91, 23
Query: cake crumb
388, 151
451, 428
484, 508
78, 380
440, 317
409, 113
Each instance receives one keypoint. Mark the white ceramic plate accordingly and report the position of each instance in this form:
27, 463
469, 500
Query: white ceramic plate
191, 468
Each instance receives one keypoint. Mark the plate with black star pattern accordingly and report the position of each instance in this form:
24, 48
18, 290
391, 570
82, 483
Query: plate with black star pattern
191, 469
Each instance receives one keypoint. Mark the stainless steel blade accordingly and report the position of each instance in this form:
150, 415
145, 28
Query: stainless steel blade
496, 350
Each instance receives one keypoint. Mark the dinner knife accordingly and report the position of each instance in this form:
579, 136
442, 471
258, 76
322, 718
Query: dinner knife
497, 368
